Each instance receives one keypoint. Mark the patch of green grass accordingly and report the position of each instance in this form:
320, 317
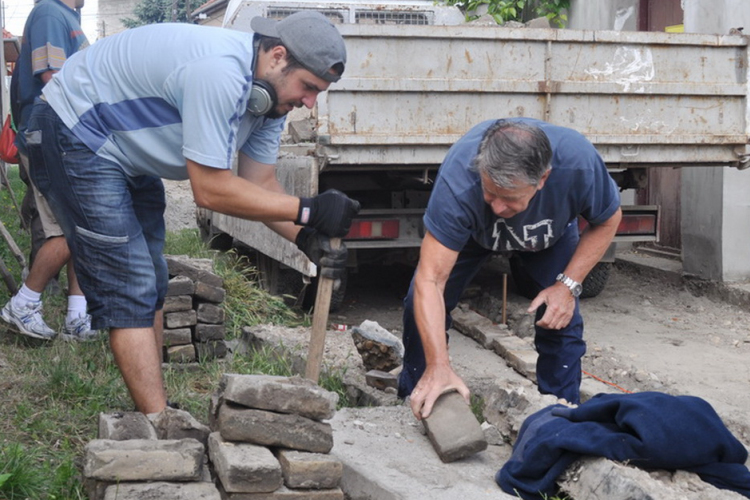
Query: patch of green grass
19, 473
477, 406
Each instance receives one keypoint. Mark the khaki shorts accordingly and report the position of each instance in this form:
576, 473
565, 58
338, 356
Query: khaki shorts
49, 222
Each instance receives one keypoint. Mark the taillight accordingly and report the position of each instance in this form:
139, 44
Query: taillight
631, 224
364, 229
637, 224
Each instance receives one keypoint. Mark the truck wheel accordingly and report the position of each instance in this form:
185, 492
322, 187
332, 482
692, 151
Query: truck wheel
596, 280
592, 285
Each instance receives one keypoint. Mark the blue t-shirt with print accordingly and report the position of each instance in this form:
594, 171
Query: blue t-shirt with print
578, 184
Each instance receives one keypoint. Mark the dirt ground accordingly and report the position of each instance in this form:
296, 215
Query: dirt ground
644, 332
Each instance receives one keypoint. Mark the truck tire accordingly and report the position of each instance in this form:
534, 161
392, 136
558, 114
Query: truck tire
592, 285
596, 280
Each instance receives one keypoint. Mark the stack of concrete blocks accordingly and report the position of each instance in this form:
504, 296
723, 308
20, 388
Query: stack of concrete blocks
193, 315
161, 455
270, 441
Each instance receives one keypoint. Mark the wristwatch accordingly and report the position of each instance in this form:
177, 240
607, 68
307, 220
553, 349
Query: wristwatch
575, 287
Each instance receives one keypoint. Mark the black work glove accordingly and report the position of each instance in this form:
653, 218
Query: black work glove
317, 247
330, 213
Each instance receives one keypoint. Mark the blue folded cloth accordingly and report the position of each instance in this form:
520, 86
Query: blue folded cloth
651, 430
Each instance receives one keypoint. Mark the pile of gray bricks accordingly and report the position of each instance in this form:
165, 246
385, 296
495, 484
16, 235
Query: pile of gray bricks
193, 313
270, 440
161, 455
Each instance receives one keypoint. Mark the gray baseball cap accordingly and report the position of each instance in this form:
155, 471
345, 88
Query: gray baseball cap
311, 38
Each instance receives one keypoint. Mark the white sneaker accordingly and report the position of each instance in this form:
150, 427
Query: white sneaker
28, 320
79, 329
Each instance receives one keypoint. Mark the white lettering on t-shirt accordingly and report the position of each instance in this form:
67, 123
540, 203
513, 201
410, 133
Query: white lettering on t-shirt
535, 237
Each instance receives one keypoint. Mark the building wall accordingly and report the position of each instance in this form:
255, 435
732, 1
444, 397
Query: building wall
716, 211
111, 12
618, 15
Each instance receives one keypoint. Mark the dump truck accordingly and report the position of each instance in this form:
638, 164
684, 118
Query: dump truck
418, 77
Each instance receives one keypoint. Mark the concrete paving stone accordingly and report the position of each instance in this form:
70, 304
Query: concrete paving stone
177, 336
453, 429
523, 361
204, 291
162, 491
143, 460
180, 319
386, 456
181, 353
177, 303
274, 429
294, 395
502, 345
210, 313
205, 333
244, 467
195, 269
125, 425
172, 423
304, 470
477, 327
180, 285
285, 493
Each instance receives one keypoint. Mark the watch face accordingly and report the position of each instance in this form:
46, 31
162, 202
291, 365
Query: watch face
577, 289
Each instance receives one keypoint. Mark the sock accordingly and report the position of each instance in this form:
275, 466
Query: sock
24, 296
76, 307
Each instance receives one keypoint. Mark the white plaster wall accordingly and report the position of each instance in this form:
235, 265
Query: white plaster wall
716, 206
619, 15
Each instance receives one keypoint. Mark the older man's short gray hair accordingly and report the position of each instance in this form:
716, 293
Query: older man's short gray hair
513, 152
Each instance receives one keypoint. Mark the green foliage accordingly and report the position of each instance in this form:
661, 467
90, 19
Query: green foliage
20, 477
503, 11
477, 407
158, 11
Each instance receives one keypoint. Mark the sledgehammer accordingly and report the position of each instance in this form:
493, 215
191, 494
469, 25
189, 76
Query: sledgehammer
319, 323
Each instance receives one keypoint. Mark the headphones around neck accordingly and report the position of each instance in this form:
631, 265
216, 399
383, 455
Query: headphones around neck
262, 96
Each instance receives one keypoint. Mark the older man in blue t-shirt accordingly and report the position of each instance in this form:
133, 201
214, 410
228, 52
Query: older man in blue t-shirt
515, 186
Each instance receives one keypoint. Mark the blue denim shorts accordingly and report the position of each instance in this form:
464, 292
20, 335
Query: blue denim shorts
113, 223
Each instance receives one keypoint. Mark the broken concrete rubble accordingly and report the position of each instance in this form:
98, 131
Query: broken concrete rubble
379, 348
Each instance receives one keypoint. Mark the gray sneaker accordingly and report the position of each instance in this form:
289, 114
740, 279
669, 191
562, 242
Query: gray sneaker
80, 329
28, 320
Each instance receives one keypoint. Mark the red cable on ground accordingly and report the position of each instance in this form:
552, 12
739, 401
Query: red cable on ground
606, 382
